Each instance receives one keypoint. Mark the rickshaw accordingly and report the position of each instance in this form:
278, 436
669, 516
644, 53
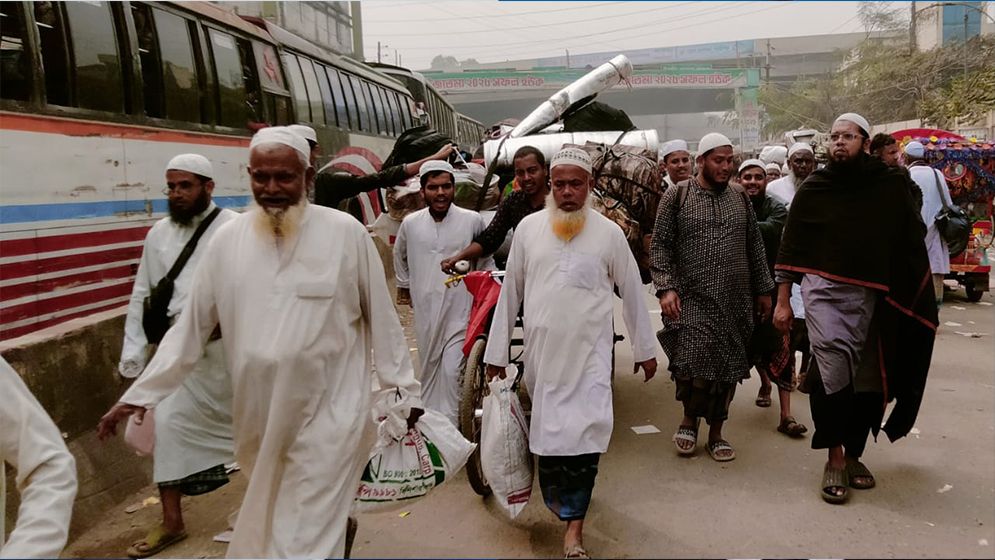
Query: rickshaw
968, 165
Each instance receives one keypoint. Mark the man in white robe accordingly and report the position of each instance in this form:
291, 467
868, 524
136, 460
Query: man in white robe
193, 439
425, 238
563, 264
935, 197
46, 473
801, 162
300, 295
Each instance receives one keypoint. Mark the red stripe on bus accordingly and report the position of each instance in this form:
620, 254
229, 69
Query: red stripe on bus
7, 334
42, 287
76, 127
33, 245
57, 264
52, 305
365, 153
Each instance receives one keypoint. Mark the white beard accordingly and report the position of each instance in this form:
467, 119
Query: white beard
566, 225
280, 224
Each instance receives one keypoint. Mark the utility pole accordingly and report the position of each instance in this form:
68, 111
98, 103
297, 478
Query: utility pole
767, 65
965, 47
568, 58
913, 30
378, 52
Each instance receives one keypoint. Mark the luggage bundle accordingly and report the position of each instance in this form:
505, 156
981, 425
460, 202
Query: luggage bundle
627, 192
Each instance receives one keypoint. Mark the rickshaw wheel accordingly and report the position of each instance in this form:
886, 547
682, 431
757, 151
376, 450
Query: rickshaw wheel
471, 400
973, 294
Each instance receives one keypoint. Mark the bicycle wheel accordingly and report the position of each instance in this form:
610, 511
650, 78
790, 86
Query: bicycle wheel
470, 421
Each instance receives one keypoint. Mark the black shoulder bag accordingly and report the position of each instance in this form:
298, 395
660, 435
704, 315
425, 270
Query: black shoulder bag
953, 223
155, 315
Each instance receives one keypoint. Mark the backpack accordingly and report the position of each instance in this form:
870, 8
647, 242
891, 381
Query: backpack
627, 192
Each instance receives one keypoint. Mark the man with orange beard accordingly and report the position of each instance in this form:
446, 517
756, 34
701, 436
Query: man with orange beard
563, 264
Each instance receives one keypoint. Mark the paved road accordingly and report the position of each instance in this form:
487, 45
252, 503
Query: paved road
935, 494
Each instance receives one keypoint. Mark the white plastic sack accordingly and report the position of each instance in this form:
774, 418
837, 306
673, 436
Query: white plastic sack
403, 470
141, 437
504, 445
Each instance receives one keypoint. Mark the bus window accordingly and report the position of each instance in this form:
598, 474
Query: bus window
148, 52
377, 125
250, 80
395, 112
15, 68
180, 86
405, 111
326, 94
231, 87
313, 93
350, 100
297, 88
98, 67
383, 109
364, 122
338, 97
275, 93
54, 53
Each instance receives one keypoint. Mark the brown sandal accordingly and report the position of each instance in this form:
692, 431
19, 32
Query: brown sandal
790, 427
763, 397
857, 470
834, 478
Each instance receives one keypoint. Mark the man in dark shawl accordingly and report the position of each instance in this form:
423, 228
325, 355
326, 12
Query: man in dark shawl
854, 242
710, 274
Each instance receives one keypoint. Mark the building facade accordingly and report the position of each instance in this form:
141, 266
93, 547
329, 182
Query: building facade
943, 23
329, 24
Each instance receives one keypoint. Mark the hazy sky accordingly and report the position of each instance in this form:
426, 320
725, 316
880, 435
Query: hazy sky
492, 31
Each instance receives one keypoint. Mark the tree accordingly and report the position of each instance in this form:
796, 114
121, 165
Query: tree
881, 16
445, 62
880, 80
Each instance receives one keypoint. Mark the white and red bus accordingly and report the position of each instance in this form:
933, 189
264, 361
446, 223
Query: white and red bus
96, 97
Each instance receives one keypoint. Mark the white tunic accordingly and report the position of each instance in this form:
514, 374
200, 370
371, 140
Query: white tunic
46, 472
303, 324
441, 313
783, 189
927, 178
193, 425
567, 290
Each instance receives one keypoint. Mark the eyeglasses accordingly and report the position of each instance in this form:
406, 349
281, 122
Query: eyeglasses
846, 136
177, 188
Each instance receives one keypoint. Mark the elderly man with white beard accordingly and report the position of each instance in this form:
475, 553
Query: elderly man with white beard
300, 295
563, 264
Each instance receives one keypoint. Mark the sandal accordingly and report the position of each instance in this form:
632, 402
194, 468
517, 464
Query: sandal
790, 427
763, 397
856, 470
834, 478
576, 551
155, 542
718, 446
686, 433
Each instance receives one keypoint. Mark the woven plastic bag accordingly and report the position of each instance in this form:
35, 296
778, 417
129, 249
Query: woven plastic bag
504, 446
405, 465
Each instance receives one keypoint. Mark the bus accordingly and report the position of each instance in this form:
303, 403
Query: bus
437, 112
97, 96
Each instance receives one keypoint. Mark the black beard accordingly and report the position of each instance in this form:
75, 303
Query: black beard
183, 217
849, 165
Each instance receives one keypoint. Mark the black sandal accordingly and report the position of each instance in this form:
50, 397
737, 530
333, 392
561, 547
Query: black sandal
834, 478
854, 470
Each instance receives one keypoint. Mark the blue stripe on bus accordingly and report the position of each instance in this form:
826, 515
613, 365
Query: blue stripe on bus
21, 213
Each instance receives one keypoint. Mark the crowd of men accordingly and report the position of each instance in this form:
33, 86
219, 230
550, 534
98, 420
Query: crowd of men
282, 323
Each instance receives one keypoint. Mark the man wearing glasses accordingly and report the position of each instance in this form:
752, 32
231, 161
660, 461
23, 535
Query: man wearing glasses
853, 241
193, 433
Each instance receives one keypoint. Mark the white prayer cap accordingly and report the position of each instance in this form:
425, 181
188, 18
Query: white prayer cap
281, 135
711, 141
856, 119
799, 147
572, 156
673, 146
751, 163
192, 163
436, 165
915, 149
776, 154
306, 131
773, 165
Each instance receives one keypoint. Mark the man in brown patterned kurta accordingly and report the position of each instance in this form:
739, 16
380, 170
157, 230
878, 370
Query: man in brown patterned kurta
710, 273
